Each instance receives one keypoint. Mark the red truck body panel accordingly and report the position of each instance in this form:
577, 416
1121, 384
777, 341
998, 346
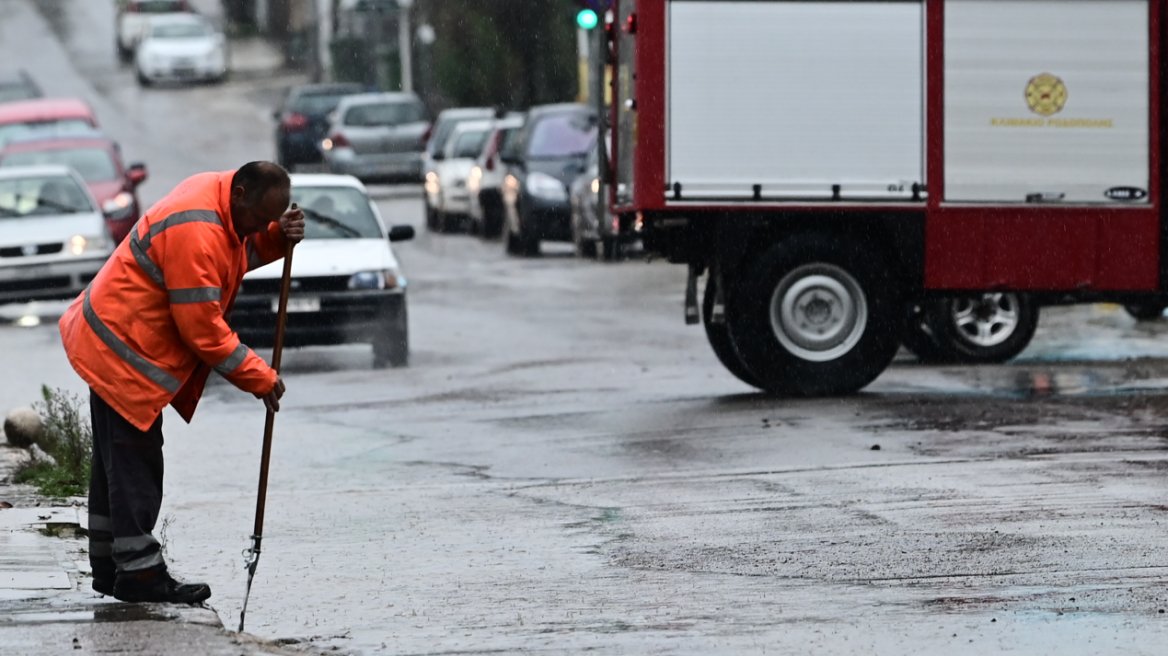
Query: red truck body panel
1040, 247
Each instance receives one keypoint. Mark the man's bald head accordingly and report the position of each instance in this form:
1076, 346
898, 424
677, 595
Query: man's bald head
260, 192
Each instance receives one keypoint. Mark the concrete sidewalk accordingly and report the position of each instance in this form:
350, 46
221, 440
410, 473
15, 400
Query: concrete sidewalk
47, 606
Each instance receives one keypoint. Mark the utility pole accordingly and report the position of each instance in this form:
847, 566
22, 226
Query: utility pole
599, 57
405, 45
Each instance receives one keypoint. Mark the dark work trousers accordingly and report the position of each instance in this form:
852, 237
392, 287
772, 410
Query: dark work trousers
125, 492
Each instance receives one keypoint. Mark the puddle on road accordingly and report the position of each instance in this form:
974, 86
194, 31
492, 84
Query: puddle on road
104, 612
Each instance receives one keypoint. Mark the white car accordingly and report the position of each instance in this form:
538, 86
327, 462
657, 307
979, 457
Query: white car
451, 171
133, 16
347, 286
181, 47
485, 180
53, 239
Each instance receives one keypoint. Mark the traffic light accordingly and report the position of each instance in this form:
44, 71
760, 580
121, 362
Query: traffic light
587, 19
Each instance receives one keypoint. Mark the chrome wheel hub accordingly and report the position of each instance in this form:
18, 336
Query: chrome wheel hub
818, 312
985, 320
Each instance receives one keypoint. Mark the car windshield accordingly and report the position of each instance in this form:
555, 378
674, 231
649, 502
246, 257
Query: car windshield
384, 114
562, 135
317, 104
178, 31
10, 131
10, 92
336, 213
507, 141
41, 195
470, 143
443, 130
94, 164
159, 6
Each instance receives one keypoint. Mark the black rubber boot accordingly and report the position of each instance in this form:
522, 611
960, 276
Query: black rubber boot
156, 585
104, 574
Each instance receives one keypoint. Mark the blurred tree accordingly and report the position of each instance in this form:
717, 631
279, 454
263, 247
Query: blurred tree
506, 53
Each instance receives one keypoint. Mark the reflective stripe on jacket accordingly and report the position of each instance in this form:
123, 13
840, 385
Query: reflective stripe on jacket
151, 325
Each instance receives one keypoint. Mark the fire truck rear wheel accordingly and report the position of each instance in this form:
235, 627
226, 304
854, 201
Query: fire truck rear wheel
1145, 311
816, 315
982, 328
718, 335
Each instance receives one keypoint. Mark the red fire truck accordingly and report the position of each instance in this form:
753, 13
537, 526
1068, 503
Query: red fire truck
849, 176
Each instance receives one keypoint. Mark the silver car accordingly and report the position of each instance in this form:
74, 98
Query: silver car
54, 238
377, 136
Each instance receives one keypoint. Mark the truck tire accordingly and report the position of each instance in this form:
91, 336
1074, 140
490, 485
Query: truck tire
982, 328
718, 335
816, 315
1145, 311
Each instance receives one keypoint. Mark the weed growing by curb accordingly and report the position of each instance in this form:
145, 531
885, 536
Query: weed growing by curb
68, 438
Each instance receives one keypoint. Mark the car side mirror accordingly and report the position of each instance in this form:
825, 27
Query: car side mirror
401, 233
276, 114
136, 174
438, 156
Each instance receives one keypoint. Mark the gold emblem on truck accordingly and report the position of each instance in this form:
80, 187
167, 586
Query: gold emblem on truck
1046, 94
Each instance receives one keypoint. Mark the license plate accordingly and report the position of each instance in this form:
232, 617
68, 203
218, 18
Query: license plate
34, 272
298, 304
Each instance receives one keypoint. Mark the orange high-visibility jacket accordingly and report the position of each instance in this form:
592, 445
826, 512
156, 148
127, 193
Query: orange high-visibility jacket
151, 325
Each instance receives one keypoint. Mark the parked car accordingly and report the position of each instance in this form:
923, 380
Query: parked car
98, 160
436, 149
180, 48
347, 286
133, 16
18, 85
451, 171
485, 180
551, 151
44, 116
54, 239
377, 136
592, 236
303, 122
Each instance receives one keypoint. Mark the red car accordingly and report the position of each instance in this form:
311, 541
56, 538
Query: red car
98, 160
54, 115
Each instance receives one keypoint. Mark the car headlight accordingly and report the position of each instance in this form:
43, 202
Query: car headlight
542, 185
80, 245
474, 179
432, 183
384, 279
119, 207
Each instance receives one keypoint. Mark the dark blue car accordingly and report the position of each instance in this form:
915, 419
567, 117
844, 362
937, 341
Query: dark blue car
304, 122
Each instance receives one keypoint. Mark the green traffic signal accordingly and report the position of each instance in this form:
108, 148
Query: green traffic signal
587, 19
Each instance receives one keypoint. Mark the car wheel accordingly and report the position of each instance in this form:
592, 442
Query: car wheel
492, 218
816, 315
432, 223
124, 54
143, 81
718, 335
983, 328
584, 247
1145, 311
392, 347
608, 250
523, 242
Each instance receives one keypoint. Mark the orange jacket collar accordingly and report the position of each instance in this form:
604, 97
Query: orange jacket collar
225, 206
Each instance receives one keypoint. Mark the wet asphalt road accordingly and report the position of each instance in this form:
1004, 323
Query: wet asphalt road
565, 467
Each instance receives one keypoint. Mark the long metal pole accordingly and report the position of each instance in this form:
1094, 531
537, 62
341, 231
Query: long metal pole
405, 46
252, 554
